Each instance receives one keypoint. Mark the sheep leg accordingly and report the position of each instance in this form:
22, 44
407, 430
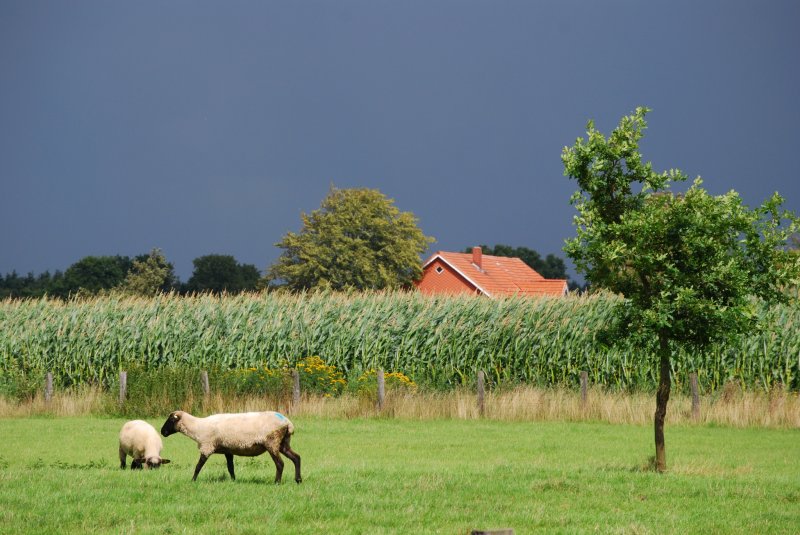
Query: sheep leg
229, 458
200, 463
276, 458
122, 457
293, 456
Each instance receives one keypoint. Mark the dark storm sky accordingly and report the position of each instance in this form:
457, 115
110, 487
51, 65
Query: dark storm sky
208, 127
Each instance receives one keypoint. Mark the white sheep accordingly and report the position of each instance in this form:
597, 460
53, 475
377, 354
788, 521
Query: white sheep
247, 434
140, 440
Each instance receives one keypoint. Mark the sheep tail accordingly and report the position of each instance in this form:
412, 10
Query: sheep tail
287, 422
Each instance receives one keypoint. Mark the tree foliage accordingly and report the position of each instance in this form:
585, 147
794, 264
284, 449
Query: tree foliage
31, 286
217, 273
93, 274
688, 265
150, 274
357, 239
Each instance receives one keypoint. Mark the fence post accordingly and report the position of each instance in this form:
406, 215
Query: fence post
123, 386
204, 381
48, 387
695, 396
481, 406
584, 388
295, 389
381, 388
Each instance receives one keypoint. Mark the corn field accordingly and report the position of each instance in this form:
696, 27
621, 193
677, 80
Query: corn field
439, 342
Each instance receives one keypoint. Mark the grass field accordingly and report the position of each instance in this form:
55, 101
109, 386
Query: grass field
61, 475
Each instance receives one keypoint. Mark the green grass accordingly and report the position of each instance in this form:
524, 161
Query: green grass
401, 476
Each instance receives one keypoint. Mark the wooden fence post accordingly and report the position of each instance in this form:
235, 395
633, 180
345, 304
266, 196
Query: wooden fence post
123, 386
695, 396
584, 388
48, 387
481, 405
381, 389
204, 382
295, 389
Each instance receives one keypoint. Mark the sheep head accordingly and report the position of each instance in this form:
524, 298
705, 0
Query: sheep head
151, 463
155, 462
170, 426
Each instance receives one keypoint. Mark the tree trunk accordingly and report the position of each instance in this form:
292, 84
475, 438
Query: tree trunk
662, 397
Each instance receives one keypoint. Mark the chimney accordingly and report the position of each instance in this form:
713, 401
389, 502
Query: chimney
477, 257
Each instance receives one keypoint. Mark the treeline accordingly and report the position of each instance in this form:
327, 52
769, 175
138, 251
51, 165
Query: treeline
150, 274
146, 274
357, 240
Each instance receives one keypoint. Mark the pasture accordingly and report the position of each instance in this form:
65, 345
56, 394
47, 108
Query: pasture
377, 475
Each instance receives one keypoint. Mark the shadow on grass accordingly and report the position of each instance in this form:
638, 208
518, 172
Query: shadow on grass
243, 480
645, 467
648, 466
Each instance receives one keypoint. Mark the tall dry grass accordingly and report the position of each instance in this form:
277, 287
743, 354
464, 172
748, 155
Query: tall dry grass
86, 401
732, 408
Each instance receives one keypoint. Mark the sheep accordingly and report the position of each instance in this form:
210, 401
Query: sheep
140, 440
246, 434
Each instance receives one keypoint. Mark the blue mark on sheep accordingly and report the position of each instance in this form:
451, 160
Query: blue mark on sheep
280, 416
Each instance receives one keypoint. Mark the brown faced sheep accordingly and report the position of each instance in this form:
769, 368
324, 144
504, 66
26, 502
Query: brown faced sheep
246, 434
140, 440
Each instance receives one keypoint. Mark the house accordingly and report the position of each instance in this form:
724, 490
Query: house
481, 274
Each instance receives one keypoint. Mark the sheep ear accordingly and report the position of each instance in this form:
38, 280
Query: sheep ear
165, 461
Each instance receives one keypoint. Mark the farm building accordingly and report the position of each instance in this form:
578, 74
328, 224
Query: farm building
481, 274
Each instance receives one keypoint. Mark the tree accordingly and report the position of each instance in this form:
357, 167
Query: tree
689, 266
221, 273
93, 274
149, 275
550, 267
357, 239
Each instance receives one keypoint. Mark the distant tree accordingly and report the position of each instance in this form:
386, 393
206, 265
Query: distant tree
11, 285
687, 265
150, 274
357, 239
56, 286
93, 274
221, 273
249, 277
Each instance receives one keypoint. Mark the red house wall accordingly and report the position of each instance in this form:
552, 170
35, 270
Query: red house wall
448, 281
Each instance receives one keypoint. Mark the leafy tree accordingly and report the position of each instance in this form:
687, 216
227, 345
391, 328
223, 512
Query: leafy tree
56, 285
221, 273
550, 267
249, 277
357, 239
93, 274
31, 286
11, 285
149, 275
688, 265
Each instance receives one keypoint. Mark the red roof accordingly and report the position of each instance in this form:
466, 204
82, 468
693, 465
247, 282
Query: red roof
499, 275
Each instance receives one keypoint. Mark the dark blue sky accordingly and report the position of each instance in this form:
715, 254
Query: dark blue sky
208, 127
